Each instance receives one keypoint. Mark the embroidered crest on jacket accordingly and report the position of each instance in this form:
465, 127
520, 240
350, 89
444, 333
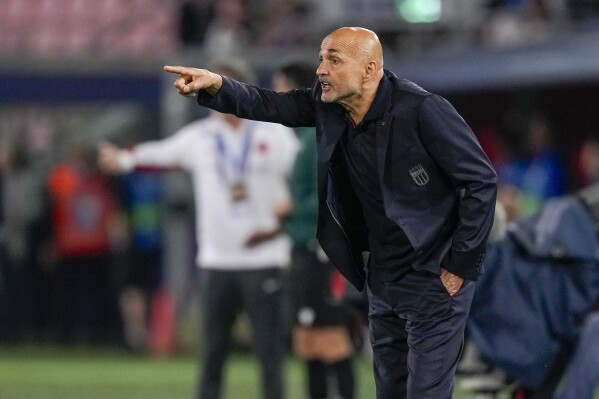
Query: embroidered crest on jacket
419, 174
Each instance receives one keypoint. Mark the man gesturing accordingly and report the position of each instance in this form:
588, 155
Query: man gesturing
401, 177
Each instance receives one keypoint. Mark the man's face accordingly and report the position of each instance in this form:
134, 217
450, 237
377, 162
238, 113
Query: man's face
340, 70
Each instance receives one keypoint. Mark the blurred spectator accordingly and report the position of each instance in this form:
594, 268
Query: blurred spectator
537, 172
228, 33
142, 196
238, 169
320, 336
83, 230
22, 212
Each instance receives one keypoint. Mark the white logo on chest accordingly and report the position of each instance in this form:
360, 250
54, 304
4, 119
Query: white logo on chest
419, 175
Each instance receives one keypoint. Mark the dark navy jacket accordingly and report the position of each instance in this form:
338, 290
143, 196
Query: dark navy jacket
437, 184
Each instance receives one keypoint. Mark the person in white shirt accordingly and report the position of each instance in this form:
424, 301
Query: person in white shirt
238, 169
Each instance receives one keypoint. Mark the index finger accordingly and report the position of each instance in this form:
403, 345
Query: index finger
178, 70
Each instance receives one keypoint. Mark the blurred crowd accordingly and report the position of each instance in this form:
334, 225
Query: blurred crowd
66, 232
230, 25
154, 28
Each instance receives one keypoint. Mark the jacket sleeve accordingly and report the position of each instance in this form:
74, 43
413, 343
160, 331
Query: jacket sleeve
294, 108
454, 147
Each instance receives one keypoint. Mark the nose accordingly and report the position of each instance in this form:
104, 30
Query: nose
321, 70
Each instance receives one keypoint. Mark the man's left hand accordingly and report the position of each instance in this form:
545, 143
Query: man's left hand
451, 282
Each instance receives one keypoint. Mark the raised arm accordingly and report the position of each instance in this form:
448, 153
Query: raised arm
168, 153
294, 108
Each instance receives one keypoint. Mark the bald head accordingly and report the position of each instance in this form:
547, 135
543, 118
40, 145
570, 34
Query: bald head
361, 43
350, 69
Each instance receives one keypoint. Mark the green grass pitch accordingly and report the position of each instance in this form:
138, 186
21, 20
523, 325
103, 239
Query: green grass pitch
100, 373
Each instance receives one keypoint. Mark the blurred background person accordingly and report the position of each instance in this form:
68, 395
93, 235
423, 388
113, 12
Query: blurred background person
84, 231
22, 218
239, 171
141, 193
320, 335
536, 169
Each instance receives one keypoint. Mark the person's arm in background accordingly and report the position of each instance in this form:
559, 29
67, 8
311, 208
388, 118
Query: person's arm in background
164, 154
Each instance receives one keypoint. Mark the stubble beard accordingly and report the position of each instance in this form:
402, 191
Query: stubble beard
329, 97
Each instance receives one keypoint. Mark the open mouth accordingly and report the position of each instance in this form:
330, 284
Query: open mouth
325, 86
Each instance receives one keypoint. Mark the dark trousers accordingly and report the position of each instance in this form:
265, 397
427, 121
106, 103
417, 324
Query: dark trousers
223, 295
417, 334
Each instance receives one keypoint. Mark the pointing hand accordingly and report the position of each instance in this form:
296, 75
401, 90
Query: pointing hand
191, 80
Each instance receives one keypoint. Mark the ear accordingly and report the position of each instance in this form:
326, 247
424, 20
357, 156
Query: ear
369, 69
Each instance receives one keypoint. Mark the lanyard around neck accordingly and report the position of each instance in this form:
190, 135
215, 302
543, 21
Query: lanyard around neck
237, 162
